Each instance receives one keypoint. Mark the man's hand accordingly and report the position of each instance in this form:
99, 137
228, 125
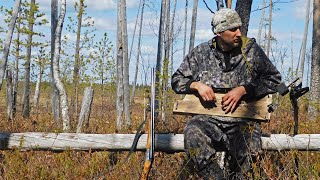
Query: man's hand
204, 91
231, 99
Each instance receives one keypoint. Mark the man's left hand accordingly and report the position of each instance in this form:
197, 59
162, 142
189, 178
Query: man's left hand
231, 99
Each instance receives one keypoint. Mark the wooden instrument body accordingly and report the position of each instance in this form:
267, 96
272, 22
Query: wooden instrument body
192, 104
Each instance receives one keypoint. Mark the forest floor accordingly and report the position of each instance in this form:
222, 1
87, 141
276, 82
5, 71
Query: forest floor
16, 164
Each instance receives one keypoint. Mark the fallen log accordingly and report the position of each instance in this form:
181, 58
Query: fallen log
123, 142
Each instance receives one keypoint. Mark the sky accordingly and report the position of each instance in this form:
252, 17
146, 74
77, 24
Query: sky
287, 27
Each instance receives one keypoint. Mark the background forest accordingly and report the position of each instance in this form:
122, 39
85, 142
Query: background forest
84, 66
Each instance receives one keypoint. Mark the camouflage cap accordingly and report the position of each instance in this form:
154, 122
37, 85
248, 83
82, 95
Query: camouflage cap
225, 19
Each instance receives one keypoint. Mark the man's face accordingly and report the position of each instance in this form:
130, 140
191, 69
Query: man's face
231, 37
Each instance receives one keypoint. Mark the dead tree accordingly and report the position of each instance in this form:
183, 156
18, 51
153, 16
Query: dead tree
85, 108
6, 48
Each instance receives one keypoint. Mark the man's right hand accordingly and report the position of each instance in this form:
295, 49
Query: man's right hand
204, 91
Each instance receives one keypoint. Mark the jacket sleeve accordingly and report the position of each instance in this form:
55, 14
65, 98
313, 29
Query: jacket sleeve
187, 73
266, 77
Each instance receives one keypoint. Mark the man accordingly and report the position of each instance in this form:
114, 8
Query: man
237, 66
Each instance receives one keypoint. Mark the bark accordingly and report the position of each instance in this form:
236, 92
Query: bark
77, 63
159, 53
243, 7
313, 110
119, 102
16, 76
26, 91
55, 91
37, 91
166, 60
172, 34
304, 41
185, 28
269, 32
9, 95
62, 92
193, 25
123, 142
126, 87
138, 54
85, 108
6, 47
261, 23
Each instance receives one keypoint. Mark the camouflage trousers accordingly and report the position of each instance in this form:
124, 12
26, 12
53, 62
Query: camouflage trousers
205, 136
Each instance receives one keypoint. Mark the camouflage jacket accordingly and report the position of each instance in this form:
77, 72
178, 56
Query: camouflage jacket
246, 65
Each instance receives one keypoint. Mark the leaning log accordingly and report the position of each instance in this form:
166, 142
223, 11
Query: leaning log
123, 142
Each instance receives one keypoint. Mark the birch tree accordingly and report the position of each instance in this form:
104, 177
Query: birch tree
313, 110
55, 91
261, 23
4, 58
56, 76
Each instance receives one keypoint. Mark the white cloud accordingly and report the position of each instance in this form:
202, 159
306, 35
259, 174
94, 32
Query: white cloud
204, 34
105, 23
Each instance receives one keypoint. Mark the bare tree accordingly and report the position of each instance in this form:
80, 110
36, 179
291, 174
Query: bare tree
302, 55
119, 102
138, 53
56, 76
55, 91
123, 90
193, 24
261, 23
243, 7
185, 28
126, 88
270, 22
26, 91
4, 59
313, 110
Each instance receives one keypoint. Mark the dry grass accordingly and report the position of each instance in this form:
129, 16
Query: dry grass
15, 164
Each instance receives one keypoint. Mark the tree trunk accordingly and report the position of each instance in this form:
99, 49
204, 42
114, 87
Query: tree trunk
126, 87
85, 108
134, 31
172, 34
77, 63
16, 76
62, 92
269, 32
37, 91
185, 28
138, 54
304, 41
55, 91
193, 25
261, 23
166, 60
159, 54
313, 110
119, 102
26, 91
9, 95
6, 47
243, 7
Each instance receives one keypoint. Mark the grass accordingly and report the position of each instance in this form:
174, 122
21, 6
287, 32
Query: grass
15, 164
